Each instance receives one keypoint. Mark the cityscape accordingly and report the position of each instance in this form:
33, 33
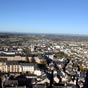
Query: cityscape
43, 43
43, 61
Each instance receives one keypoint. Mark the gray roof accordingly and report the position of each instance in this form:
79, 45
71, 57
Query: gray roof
12, 63
3, 59
28, 64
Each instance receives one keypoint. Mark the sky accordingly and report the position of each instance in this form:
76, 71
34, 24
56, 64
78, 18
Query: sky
44, 16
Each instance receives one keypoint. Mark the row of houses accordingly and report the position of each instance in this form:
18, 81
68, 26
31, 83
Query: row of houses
18, 66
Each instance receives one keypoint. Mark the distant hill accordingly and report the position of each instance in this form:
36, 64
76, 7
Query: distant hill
55, 37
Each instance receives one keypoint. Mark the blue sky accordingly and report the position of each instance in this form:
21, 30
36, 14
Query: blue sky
44, 16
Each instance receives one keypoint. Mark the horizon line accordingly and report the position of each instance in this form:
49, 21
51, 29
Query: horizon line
61, 34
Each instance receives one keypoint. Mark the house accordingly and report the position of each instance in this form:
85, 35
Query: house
13, 66
3, 64
37, 72
11, 83
50, 55
28, 67
13, 57
8, 53
31, 78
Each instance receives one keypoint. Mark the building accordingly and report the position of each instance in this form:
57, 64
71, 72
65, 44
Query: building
3, 64
13, 66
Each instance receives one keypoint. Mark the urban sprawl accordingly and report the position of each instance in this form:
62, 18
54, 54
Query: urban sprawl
43, 61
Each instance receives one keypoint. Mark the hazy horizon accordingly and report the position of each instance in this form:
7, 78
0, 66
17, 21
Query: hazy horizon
58, 34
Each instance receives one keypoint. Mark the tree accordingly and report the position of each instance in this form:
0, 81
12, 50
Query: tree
61, 55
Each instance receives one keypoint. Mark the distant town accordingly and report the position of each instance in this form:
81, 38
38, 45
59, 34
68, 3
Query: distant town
43, 61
